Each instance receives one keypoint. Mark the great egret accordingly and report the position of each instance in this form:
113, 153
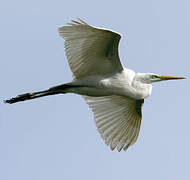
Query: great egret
115, 94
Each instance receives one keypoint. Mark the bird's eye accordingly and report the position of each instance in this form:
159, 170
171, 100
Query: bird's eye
155, 76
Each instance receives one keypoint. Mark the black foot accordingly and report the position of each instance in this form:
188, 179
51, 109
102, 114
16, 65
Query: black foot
18, 98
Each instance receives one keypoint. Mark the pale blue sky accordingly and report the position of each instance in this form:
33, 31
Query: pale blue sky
55, 137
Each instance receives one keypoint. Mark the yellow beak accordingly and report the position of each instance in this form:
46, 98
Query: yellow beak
170, 77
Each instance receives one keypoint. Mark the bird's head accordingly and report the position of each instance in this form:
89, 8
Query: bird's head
149, 78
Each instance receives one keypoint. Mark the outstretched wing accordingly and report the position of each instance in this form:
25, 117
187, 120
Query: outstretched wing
117, 118
90, 51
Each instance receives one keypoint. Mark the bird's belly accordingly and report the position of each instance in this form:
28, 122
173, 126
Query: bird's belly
100, 86
117, 87
124, 88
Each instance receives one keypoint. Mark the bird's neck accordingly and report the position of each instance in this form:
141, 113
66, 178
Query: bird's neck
143, 90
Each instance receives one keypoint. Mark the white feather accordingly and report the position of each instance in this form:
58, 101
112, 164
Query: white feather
91, 51
117, 119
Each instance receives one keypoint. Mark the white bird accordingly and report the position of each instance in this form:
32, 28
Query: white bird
115, 94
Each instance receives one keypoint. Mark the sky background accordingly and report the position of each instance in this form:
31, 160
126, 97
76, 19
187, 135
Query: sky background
55, 137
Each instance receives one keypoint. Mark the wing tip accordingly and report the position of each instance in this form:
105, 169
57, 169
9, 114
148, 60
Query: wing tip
77, 22
119, 148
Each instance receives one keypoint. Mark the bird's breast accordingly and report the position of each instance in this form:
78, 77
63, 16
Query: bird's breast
123, 84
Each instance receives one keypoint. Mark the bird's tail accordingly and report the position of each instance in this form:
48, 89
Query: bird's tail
27, 96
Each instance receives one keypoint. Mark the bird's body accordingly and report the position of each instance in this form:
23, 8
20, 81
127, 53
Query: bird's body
115, 94
124, 83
